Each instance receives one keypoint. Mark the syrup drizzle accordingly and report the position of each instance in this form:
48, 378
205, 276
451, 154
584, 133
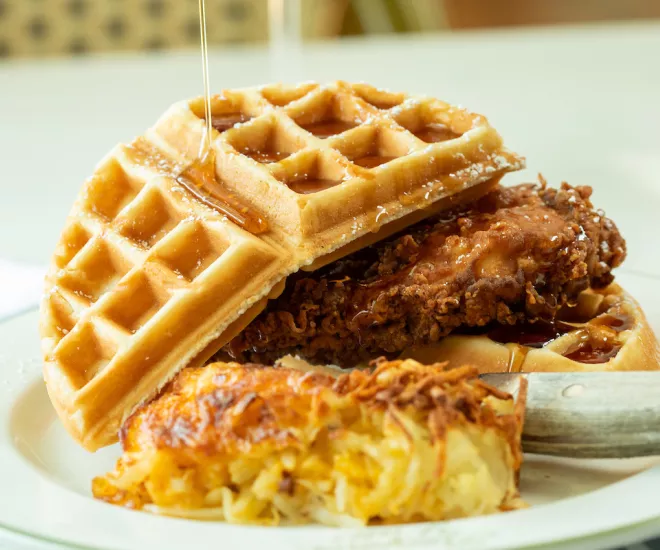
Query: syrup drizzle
328, 128
312, 185
517, 355
199, 178
435, 133
592, 353
531, 335
205, 145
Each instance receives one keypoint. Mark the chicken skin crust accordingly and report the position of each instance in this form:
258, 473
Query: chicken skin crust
517, 254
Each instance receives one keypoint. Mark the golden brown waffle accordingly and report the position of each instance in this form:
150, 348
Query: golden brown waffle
150, 276
293, 140
605, 331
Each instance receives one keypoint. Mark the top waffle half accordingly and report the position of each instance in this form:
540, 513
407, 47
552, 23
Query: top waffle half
150, 275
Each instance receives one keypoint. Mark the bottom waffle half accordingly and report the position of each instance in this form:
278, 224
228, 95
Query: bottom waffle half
605, 330
254, 444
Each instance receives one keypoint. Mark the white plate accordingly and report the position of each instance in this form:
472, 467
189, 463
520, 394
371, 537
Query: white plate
45, 480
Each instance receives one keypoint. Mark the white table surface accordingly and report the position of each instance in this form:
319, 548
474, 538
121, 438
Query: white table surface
583, 104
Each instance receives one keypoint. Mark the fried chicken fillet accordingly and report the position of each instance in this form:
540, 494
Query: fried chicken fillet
517, 254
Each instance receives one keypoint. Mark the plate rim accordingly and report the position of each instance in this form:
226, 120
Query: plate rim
621, 536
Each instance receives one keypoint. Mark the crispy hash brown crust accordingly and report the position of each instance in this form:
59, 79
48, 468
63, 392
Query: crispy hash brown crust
246, 443
517, 254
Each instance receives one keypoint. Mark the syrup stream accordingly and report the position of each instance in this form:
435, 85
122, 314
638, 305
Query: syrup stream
205, 145
200, 178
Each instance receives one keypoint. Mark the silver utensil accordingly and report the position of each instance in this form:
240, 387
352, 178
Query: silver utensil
588, 414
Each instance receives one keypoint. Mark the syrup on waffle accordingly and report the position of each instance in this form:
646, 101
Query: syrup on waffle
310, 148
164, 256
605, 330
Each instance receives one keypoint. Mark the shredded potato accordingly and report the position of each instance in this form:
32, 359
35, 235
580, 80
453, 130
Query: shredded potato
252, 444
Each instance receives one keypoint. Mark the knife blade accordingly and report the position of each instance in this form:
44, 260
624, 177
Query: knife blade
588, 414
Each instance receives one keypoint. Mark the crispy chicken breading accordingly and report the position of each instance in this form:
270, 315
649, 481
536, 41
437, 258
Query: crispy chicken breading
247, 443
517, 254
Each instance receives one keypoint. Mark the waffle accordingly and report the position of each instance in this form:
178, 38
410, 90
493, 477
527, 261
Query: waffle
253, 444
164, 258
338, 162
605, 331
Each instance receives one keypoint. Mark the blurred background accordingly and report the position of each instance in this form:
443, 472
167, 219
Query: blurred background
36, 28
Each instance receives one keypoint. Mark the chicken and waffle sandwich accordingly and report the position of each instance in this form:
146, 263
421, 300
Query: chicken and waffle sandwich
166, 257
332, 226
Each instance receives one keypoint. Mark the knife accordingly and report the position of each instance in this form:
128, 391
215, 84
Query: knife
588, 414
